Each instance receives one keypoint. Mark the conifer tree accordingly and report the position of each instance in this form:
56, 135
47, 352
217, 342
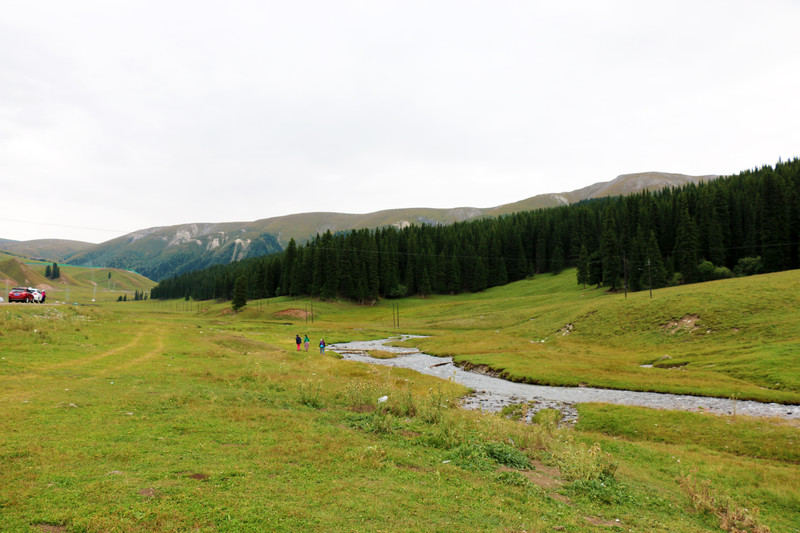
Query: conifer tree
289, 257
541, 251
685, 252
557, 259
609, 251
774, 224
453, 276
239, 294
583, 266
480, 280
372, 267
656, 272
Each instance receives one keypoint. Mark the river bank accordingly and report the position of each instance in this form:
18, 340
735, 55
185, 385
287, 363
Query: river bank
491, 393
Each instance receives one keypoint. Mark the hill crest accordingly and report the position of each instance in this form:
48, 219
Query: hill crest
163, 251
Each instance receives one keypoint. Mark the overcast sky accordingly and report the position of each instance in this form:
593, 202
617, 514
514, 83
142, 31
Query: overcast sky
124, 115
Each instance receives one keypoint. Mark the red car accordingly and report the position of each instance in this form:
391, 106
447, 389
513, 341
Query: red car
26, 294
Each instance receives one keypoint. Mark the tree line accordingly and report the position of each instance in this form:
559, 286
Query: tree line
736, 225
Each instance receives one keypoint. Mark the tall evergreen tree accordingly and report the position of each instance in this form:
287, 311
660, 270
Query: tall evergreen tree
583, 266
557, 259
480, 279
685, 251
774, 224
239, 294
289, 257
609, 251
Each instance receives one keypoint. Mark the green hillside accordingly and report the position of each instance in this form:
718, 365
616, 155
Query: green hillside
160, 252
76, 283
723, 338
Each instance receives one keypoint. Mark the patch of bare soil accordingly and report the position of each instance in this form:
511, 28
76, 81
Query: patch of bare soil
543, 476
549, 478
148, 492
50, 529
199, 476
292, 313
686, 323
595, 521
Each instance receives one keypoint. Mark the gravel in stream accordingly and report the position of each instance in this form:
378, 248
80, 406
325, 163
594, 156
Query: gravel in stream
491, 393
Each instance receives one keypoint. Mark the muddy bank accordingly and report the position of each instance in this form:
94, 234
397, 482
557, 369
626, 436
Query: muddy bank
492, 393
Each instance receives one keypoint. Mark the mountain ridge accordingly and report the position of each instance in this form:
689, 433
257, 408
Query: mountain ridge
163, 251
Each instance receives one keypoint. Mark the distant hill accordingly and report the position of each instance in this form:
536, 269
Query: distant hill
162, 252
306, 225
622, 185
49, 249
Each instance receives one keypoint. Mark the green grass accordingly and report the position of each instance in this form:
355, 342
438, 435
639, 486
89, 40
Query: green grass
181, 416
549, 331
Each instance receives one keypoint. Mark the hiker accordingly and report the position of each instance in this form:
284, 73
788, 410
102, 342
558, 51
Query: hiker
298, 340
306, 341
322, 346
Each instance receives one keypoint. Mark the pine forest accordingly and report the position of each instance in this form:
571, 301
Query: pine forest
737, 225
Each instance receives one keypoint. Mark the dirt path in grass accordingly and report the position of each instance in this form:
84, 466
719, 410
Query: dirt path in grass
492, 393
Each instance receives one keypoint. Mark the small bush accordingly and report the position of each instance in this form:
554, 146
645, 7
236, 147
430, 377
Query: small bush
517, 411
477, 455
507, 455
732, 517
510, 477
447, 434
433, 407
309, 394
749, 266
579, 462
549, 418
359, 393
402, 403
605, 490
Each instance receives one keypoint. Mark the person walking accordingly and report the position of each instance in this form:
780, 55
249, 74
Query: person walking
306, 341
322, 346
298, 340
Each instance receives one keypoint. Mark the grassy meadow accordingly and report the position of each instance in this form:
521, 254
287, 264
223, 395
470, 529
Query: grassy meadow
182, 416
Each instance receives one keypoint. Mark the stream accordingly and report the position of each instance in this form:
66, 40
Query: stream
492, 394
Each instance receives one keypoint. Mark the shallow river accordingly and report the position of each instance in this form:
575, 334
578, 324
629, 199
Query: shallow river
491, 393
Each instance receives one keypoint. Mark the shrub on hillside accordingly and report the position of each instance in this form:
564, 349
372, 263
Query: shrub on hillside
708, 272
749, 266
